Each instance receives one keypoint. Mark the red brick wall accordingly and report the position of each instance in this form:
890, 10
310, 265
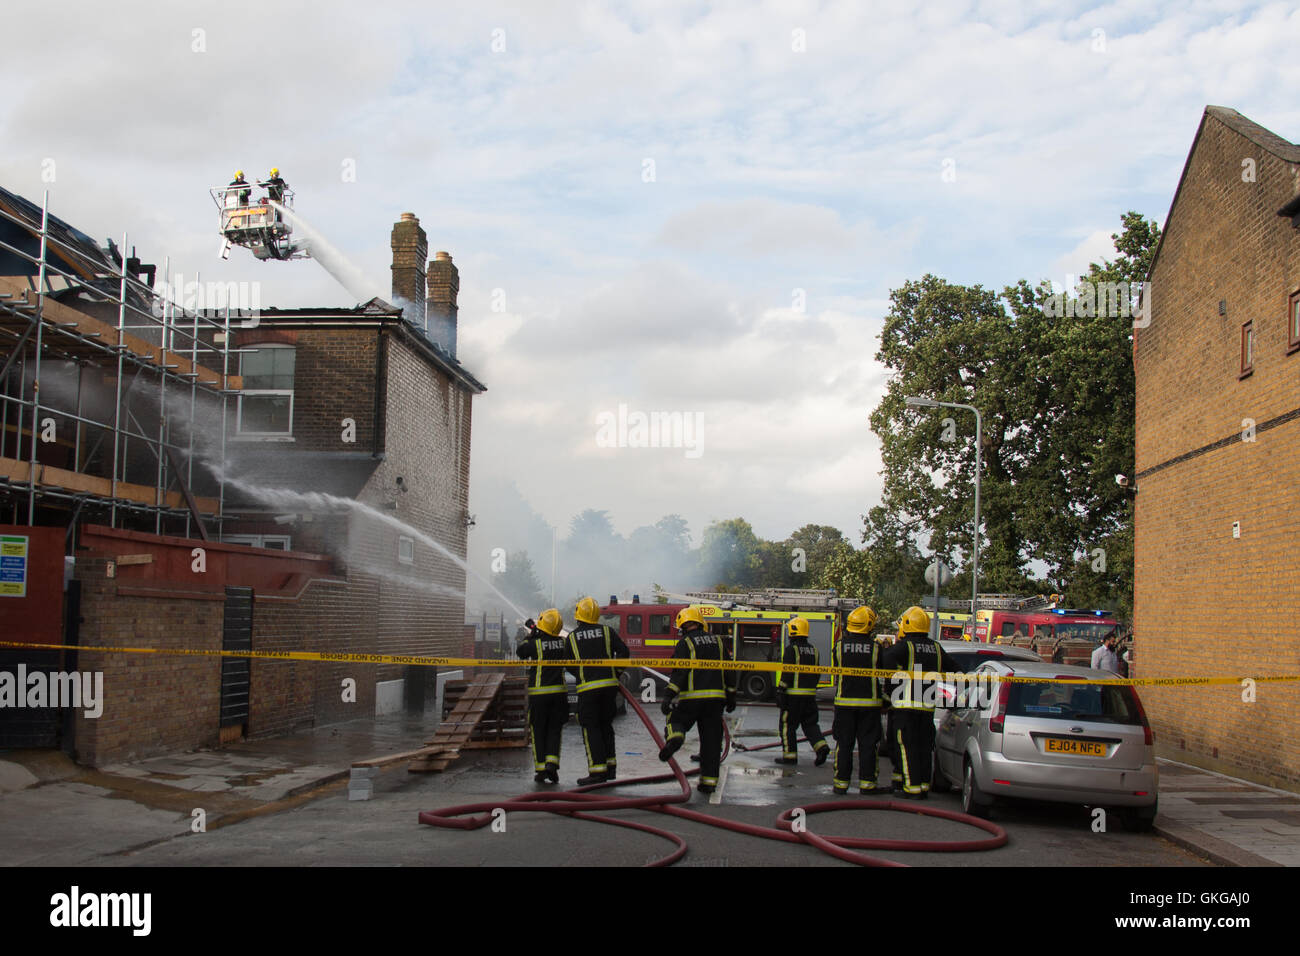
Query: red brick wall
1206, 603
153, 703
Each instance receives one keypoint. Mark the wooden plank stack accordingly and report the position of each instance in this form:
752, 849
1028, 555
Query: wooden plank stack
487, 712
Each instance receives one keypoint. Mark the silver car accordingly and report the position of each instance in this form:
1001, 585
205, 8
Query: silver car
1088, 744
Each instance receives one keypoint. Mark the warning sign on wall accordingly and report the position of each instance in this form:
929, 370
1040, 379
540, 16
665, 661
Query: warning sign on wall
13, 566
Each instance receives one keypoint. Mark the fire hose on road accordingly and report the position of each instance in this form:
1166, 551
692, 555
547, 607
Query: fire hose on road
583, 803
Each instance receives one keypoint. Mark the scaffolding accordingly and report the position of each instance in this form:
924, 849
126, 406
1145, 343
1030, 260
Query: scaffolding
63, 458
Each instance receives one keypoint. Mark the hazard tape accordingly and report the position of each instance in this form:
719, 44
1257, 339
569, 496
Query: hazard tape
666, 663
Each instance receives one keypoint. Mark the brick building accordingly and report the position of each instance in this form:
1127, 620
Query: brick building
1218, 454
319, 457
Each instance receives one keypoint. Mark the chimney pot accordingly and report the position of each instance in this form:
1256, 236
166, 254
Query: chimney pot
442, 255
409, 217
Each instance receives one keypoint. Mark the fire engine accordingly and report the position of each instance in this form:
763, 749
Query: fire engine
1036, 618
750, 633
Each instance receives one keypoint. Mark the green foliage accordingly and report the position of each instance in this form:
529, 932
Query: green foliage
1057, 397
731, 554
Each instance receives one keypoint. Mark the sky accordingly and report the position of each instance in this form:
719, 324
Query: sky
668, 207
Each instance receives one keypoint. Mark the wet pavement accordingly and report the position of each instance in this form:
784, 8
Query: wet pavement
285, 801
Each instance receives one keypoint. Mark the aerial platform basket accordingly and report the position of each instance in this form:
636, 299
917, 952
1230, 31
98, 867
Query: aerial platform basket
256, 224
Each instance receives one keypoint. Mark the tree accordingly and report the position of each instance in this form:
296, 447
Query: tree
519, 582
729, 554
818, 542
1052, 376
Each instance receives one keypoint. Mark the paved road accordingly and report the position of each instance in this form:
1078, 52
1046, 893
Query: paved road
330, 829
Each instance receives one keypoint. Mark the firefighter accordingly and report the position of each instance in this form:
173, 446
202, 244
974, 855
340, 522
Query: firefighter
911, 720
857, 705
275, 186
698, 696
548, 697
244, 193
796, 695
597, 689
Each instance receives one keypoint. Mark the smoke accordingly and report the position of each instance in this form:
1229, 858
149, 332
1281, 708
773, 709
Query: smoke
591, 558
330, 258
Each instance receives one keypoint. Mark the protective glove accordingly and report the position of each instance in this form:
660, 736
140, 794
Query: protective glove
731, 701
666, 705
780, 696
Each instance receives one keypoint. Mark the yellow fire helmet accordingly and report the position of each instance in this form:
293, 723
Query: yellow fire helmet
275, 171
798, 627
687, 614
549, 622
587, 611
913, 621
239, 174
862, 620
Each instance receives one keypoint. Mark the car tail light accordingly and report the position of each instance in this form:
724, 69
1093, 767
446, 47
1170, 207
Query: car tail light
1000, 708
1148, 738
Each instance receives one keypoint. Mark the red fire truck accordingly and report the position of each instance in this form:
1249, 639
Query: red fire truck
756, 635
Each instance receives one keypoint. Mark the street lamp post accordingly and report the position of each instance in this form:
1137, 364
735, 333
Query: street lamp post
921, 402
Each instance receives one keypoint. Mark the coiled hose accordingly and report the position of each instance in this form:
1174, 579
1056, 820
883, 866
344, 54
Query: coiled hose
583, 803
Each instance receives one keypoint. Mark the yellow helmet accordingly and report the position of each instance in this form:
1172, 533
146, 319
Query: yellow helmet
687, 614
587, 611
914, 620
798, 627
238, 173
549, 621
862, 620
275, 171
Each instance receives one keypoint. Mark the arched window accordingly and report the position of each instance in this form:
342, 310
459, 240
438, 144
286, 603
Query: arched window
266, 400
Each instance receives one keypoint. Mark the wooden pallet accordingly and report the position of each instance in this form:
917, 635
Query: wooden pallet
487, 712
505, 721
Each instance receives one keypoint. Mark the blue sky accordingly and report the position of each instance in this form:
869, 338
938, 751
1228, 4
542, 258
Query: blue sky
783, 161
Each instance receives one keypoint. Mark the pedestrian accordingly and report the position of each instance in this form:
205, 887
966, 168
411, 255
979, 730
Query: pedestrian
911, 720
796, 695
548, 695
1104, 657
698, 696
857, 705
597, 689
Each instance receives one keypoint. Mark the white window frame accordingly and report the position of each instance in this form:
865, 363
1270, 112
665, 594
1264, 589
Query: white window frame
258, 540
407, 544
239, 412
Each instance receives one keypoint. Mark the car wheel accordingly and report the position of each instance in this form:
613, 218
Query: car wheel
938, 782
756, 686
973, 800
1139, 819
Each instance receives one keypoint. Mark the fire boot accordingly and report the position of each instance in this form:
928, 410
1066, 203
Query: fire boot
552, 772
589, 780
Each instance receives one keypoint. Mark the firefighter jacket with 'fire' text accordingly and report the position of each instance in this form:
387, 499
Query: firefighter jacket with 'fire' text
799, 651
595, 642
692, 684
856, 650
914, 653
540, 646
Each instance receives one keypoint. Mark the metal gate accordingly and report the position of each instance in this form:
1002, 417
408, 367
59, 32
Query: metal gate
236, 635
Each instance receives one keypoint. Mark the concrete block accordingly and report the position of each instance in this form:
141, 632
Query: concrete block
390, 696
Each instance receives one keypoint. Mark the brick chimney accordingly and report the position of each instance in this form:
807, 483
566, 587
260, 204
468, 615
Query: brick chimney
444, 286
410, 248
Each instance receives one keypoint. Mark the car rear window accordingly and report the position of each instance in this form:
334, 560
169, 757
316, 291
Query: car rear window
1114, 704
